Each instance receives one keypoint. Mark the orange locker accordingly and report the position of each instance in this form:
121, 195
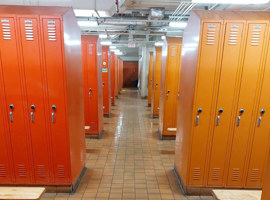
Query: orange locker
92, 85
121, 68
150, 79
170, 75
116, 75
42, 95
266, 180
106, 80
112, 77
156, 81
222, 138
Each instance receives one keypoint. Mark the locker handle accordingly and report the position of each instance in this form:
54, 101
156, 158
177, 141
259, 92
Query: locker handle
167, 95
220, 111
32, 116
53, 117
238, 120
11, 116
90, 92
199, 111
259, 121
218, 119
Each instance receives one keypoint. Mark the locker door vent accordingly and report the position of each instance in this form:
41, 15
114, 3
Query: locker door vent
211, 34
3, 171
90, 49
29, 33
93, 125
61, 171
255, 174
51, 30
216, 174
22, 170
233, 35
256, 34
235, 174
196, 174
41, 171
6, 29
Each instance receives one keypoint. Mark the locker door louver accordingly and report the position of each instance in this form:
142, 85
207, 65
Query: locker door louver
235, 174
255, 174
22, 170
41, 171
256, 34
61, 171
51, 30
216, 174
233, 35
28, 27
196, 174
6, 29
3, 171
211, 34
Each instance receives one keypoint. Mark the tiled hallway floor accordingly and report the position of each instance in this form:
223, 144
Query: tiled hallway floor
129, 162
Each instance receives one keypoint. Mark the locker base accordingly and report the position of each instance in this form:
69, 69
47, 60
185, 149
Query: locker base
94, 136
154, 116
149, 105
107, 115
165, 137
192, 191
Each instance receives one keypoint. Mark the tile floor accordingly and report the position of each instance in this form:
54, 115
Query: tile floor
129, 162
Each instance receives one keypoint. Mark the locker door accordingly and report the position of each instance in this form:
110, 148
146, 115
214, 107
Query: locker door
228, 90
30, 40
260, 145
206, 74
112, 77
156, 84
12, 76
93, 87
6, 172
56, 99
172, 78
247, 98
150, 79
106, 80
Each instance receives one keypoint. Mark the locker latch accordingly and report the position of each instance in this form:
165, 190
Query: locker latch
33, 107
90, 92
53, 113
241, 111
199, 111
11, 106
167, 95
260, 117
220, 111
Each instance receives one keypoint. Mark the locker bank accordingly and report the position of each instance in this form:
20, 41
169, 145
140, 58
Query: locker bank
156, 100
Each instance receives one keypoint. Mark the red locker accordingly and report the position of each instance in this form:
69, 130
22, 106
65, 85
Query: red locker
92, 78
112, 77
106, 78
40, 54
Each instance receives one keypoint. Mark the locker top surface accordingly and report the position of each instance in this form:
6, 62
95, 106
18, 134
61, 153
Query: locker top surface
33, 10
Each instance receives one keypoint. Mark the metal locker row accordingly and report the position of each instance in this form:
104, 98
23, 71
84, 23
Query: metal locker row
36, 99
93, 90
169, 87
150, 80
221, 119
112, 78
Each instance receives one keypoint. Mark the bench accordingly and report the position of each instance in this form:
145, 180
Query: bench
21, 192
237, 194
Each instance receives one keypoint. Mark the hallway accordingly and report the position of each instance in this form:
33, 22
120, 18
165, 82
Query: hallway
129, 162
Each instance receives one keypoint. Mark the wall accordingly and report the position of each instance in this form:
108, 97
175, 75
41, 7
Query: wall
130, 72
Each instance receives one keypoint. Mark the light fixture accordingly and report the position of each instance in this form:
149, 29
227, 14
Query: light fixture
178, 24
106, 43
232, 1
115, 50
85, 13
87, 23
118, 53
112, 47
103, 36
159, 44
163, 37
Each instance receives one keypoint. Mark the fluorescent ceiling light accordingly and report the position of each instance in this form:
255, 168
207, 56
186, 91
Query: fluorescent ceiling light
159, 44
106, 43
85, 13
118, 53
178, 24
232, 1
163, 37
87, 23
112, 47
115, 50
103, 36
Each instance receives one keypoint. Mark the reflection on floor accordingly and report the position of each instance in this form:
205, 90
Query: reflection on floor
129, 162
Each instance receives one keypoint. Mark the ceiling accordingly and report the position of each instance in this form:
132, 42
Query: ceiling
124, 21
